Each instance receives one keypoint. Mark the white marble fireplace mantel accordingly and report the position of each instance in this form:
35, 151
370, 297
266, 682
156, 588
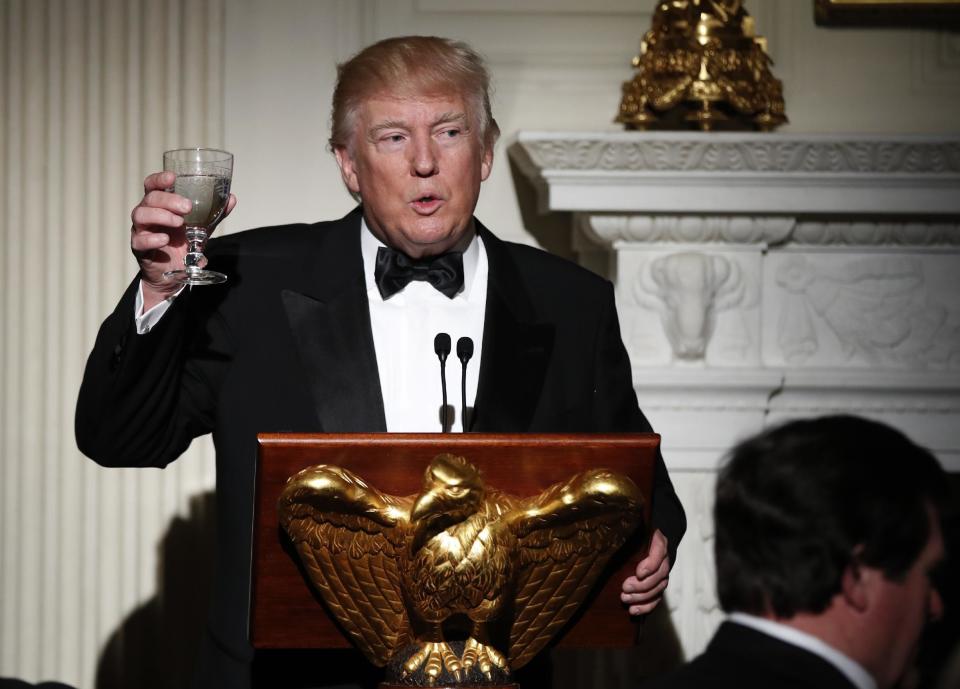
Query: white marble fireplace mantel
766, 276
678, 172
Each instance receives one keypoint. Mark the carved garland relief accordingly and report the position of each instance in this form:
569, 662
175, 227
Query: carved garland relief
879, 310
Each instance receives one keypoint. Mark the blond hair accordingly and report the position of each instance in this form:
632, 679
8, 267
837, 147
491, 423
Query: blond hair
411, 66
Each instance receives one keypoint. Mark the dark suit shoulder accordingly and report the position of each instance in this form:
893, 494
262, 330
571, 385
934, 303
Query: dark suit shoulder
292, 239
742, 657
553, 285
570, 274
314, 259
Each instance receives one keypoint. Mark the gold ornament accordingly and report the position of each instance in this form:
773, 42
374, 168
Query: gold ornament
405, 576
701, 65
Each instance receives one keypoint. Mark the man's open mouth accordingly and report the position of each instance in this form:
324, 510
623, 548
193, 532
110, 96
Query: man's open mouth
426, 203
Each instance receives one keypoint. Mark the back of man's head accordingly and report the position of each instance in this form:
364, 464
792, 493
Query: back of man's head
798, 503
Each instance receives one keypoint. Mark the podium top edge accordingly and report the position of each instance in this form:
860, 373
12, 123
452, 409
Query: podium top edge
460, 439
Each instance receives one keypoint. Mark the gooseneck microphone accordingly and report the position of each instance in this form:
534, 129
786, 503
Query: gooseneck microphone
441, 346
464, 352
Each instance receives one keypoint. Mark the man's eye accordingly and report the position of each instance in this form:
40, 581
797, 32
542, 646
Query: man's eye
451, 133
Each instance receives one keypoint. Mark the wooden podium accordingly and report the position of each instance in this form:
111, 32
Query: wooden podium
285, 610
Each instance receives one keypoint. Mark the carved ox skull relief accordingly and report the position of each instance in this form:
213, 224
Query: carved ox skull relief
688, 289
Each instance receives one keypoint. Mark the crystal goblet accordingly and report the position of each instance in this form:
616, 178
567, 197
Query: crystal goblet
203, 178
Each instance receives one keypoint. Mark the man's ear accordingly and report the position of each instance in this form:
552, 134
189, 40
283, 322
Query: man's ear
348, 169
856, 584
486, 162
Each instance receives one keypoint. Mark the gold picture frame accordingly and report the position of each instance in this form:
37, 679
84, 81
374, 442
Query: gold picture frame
932, 13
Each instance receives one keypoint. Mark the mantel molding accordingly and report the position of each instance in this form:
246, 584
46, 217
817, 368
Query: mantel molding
866, 233
742, 152
609, 229
697, 172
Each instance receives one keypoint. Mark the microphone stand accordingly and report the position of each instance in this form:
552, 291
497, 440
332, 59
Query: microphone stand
464, 352
441, 347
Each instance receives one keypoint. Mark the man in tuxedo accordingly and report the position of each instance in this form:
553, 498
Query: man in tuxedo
330, 327
827, 536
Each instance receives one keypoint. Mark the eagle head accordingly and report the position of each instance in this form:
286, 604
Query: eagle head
452, 491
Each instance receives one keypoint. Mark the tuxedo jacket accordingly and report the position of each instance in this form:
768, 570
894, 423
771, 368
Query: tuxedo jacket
740, 657
286, 345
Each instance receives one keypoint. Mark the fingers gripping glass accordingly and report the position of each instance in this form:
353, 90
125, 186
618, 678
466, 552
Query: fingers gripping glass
203, 178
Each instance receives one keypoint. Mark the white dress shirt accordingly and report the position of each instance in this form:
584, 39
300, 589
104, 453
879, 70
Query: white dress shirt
146, 320
404, 327
853, 670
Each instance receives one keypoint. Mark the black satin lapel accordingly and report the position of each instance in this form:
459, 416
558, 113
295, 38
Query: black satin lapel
516, 349
515, 357
335, 344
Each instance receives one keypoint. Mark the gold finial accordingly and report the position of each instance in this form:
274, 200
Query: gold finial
702, 65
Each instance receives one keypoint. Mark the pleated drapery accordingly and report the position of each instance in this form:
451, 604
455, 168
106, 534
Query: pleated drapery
91, 93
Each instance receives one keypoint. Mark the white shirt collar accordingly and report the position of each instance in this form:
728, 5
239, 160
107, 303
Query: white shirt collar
369, 245
853, 670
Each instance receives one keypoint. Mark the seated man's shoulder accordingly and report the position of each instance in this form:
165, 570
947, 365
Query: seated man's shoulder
698, 674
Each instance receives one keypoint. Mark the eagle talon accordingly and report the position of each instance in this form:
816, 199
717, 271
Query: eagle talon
433, 657
484, 657
469, 656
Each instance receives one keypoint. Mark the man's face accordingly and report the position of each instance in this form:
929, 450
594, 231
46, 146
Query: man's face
902, 609
417, 164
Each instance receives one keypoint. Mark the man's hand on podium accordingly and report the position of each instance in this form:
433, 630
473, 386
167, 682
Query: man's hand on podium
643, 591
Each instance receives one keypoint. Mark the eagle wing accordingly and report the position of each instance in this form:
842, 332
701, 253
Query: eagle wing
566, 536
349, 536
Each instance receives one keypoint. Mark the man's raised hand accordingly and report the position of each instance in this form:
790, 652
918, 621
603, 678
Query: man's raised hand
157, 237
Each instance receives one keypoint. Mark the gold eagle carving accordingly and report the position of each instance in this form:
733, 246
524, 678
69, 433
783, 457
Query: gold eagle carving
408, 573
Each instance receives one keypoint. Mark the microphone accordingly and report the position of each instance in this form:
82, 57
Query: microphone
464, 352
441, 346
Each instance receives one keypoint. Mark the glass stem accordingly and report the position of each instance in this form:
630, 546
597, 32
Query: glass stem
196, 240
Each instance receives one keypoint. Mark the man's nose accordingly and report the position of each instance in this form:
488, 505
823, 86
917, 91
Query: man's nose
424, 162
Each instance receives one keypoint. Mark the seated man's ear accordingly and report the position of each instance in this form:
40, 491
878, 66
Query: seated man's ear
857, 581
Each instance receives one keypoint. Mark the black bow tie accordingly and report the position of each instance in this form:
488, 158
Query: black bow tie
394, 270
